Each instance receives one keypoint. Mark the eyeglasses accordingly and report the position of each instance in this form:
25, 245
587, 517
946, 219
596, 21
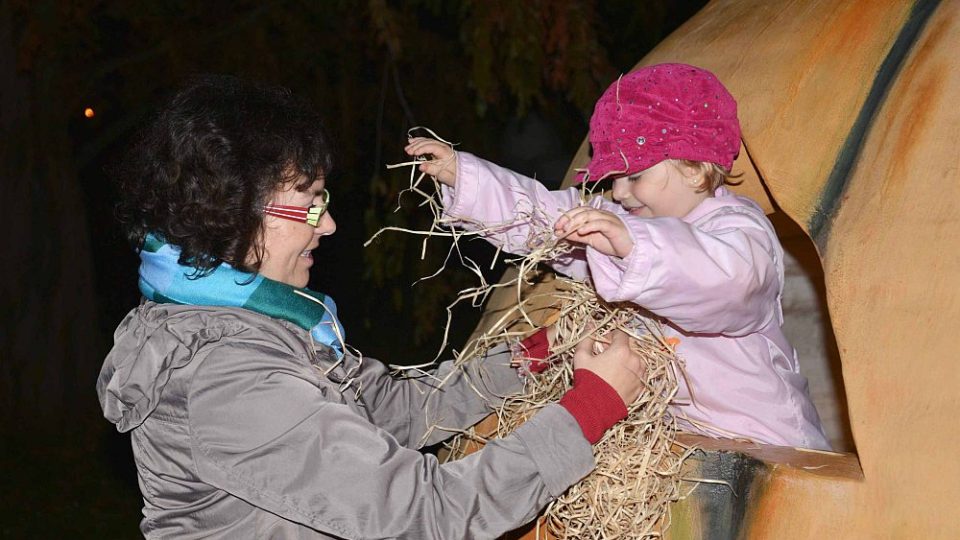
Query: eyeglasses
303, 214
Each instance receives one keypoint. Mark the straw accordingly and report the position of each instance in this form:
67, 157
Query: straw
638, 463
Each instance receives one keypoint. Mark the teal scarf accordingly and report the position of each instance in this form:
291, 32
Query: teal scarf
164, 280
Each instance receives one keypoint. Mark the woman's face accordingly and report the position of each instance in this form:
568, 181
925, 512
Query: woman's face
287, 244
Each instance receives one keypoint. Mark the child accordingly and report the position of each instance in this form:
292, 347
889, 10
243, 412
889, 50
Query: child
679, 244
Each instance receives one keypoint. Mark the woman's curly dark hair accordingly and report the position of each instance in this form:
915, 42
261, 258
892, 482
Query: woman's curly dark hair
200, 172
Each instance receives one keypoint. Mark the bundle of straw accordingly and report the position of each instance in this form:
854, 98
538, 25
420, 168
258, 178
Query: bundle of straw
638, 463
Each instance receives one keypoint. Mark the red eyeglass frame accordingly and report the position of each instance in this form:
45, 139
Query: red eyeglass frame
302, 214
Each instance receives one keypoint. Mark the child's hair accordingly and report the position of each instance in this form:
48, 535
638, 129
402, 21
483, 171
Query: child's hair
713, 174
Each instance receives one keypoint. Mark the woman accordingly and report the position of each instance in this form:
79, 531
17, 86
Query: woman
248, 417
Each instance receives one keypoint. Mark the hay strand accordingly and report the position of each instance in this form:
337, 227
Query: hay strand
638, 472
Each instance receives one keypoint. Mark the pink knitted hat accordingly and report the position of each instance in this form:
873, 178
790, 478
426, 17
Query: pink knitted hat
665, 111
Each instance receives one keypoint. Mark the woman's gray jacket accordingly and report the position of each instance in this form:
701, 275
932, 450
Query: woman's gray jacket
241, 428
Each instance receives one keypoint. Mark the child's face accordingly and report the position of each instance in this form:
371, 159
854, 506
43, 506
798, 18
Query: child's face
660, 191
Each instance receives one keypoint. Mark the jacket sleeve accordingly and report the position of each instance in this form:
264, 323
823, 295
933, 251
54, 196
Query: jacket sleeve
512, 207
263, 431
414, 410
719, 277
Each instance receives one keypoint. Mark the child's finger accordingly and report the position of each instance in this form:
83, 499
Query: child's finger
569, 224
591, 227
574, 230
433, 168
421, 140
412, 145
572, 219
589, 222
605, 224
420, 146
573, 213
430, 169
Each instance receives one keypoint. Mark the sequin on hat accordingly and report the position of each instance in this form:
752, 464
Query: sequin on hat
664, 111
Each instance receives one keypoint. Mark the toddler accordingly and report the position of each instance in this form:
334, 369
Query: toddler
676, 242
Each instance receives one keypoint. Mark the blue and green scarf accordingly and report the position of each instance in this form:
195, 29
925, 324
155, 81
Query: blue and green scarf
164, 280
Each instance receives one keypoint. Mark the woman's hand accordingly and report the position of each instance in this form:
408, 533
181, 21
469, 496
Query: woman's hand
616, 364
442, 164
535, 349
599, 229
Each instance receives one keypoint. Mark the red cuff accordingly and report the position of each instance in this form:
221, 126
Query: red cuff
536, 347
594, 404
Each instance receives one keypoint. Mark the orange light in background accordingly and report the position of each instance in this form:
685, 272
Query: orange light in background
88, 112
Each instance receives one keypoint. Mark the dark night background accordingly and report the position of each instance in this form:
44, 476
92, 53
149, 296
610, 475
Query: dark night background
511, 81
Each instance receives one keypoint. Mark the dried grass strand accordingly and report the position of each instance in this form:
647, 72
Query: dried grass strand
638, 472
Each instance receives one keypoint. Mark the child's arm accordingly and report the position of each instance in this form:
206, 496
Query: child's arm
718, 277
481, 195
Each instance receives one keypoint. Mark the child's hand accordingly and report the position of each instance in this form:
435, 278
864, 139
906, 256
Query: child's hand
602, 230
443, 160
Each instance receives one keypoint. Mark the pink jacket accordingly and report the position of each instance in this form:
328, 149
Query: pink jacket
715, 276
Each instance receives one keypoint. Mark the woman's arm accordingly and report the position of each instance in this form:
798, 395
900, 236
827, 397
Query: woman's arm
414, 410
265, 433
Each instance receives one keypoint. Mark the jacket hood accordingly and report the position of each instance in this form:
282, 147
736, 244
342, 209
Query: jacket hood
151, 342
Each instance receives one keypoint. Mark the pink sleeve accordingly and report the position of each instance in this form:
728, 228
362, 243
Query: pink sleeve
718, 277
512, 205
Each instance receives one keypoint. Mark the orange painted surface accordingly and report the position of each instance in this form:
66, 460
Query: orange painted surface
891, 259
801, 72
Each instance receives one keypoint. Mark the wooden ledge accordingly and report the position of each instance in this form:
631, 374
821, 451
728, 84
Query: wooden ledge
815, 462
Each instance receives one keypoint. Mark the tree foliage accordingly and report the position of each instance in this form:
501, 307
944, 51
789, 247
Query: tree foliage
374, 69
469, 69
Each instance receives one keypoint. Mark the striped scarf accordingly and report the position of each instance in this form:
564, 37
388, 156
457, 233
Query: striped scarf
164, 280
